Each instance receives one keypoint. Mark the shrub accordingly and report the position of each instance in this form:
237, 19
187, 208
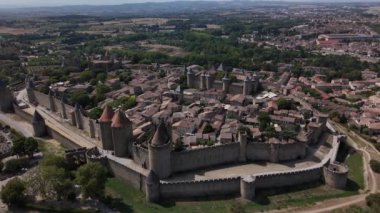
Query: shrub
373, 201
13, 193
15, 165
375, 166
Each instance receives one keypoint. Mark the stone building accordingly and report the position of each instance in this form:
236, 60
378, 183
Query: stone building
204, 81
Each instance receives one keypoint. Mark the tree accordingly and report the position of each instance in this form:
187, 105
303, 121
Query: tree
373, 201
92, 178
375, 165
25, 146
13, 193
208, 128
51, 179
283, 103
31, 146
95, 113
264, 120
50, 182
15, 165
18, 146
80, 97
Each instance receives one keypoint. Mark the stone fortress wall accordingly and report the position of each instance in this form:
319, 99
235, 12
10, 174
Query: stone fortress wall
329, 171
205, 157
185, 160
66, 112
246, 186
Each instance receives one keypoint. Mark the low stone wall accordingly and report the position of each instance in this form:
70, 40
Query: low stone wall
291, 178
204, 157
121, 171
201, 188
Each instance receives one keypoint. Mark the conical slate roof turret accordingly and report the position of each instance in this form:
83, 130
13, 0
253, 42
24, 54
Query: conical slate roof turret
107, 114
37, 118
119, 120
226, 77
220, 68
161, 136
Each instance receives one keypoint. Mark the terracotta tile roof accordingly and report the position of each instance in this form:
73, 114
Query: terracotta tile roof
120, 120
107, 114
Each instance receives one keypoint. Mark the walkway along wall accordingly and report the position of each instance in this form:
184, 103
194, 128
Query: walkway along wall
235, 185
205, 157
136, 178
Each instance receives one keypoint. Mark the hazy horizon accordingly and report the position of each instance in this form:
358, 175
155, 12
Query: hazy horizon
49, 3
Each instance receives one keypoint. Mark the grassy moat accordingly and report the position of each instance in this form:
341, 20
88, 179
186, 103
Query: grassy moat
129, 199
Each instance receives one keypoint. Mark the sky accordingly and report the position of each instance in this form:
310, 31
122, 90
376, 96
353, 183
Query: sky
70, 2
38, 3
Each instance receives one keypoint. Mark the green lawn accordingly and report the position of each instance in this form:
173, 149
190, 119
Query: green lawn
355, 164
48, 208
51, 147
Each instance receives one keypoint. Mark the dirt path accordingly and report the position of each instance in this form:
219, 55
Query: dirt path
370, 178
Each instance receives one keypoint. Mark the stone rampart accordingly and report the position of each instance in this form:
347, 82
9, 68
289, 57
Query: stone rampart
205, 157
140, 156
200, 188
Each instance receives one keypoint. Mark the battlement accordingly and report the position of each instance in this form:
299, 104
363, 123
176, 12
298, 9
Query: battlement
200, 181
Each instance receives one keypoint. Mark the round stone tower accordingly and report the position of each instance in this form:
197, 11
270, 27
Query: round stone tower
63, 106
335, 175
243, 146
6, 98
247, 187
105, 122
190, 78
122, 135
226, 83
159, 152
39, 126
78, 116
152, 187
52, 101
